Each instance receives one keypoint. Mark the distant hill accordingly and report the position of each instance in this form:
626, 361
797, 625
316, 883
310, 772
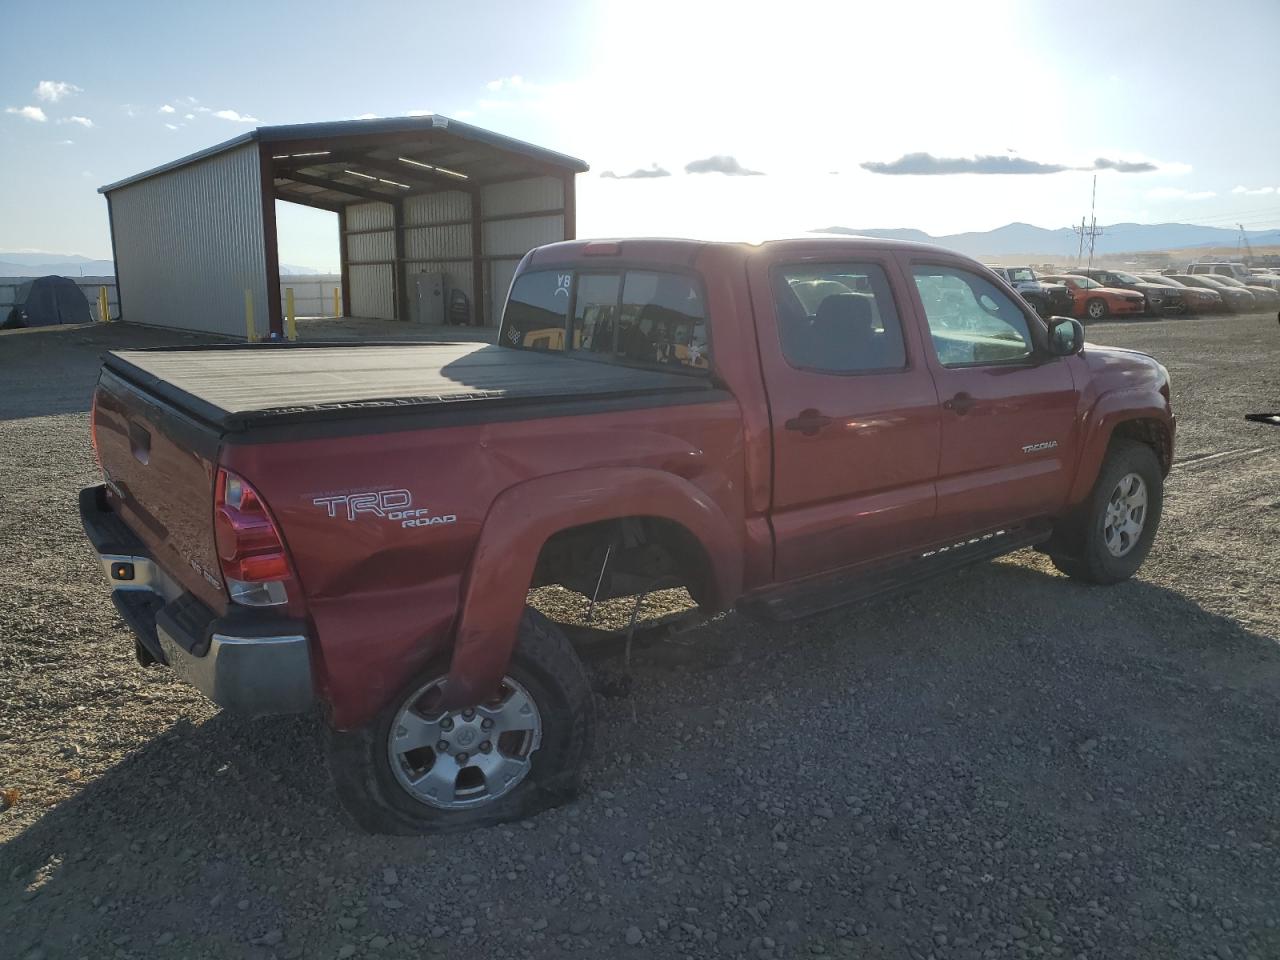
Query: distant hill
1116, 238
74, 265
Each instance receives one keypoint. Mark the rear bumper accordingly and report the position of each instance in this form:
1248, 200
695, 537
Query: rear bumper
247, 662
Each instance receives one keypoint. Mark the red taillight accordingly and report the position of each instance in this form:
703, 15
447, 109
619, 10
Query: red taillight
250, 548
602, 248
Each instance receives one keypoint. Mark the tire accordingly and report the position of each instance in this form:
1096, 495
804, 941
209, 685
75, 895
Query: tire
1096, 309
374, 788
1084, 547
1039, 305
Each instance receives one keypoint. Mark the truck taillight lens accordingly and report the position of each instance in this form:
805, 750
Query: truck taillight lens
250, 548
93, 431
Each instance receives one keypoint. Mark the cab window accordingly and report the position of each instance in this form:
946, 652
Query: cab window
971, 321
838, 318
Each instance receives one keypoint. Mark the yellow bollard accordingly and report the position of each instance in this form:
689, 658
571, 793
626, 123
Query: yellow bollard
104, 308
250, 334
337, 303
290, 316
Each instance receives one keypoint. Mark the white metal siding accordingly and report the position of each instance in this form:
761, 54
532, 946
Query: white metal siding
372, 286
312, 294
188, 243
522, 196
515, 238
372, 292
437, 208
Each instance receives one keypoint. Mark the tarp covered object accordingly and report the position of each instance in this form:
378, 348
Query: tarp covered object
47, 301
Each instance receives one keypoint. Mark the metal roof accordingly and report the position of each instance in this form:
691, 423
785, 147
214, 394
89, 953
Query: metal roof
473, 155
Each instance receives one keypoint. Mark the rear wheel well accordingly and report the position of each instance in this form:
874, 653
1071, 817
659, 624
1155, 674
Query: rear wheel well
640, 551
1150, 432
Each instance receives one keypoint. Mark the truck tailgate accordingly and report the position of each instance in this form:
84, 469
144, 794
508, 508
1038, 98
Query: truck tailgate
159, 467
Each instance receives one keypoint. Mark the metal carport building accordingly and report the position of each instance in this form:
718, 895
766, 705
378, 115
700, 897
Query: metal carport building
195, 240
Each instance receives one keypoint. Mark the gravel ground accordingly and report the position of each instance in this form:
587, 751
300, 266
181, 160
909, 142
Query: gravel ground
1004, 765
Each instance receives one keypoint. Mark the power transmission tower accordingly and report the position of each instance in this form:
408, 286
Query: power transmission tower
1248, 248
1092, 231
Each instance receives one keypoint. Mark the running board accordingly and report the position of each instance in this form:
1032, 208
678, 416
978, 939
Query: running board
830, 592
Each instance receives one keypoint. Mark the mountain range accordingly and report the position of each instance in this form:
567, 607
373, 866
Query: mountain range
1015, 238
24, 264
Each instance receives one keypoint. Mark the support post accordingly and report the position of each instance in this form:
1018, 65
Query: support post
290, 315
570, 207
400, 300
250, 333
270, 242
104, 309
344, 266
337, 302
477, 262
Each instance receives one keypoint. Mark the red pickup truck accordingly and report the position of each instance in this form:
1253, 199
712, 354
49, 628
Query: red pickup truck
782, 428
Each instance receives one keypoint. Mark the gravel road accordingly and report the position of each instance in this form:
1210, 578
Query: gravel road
1006, 764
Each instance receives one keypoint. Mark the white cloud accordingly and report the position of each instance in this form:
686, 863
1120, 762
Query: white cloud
55, 90
203, 110
167, 109
513, 82
171, 126
31, 113
1177, 193
1255, 191
65, 143
83, 121
367, 116
234, 117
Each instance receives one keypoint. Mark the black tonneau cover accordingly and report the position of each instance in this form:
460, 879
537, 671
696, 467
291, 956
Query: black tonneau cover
238, 387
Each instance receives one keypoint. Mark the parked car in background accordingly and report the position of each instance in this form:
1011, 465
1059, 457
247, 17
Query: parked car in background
1048, 299
1092, 301
1235, 299
1264, 297
1161, 298
1197, 299
1237, 271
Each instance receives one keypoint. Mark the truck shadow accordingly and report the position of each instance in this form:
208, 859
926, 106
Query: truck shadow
231, 803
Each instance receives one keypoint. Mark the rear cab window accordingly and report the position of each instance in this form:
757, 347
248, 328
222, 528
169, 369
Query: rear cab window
646, 317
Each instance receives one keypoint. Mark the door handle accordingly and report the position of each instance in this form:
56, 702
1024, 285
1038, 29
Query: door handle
961, 403
808, 423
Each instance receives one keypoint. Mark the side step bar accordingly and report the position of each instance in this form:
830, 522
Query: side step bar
829, 592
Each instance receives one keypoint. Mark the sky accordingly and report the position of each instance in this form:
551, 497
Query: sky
744, 120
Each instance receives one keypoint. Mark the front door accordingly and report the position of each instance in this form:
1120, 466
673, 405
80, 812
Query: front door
1008, 409
854, 413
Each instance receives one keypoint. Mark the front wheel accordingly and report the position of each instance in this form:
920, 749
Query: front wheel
1110, 536
1096, 309
421, 769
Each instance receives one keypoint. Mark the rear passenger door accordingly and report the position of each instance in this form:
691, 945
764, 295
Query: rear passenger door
854, 414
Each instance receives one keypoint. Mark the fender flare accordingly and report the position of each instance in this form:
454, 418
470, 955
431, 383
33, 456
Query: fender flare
523, 517
1099, 424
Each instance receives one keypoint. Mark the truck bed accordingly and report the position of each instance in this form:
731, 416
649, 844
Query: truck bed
236, 387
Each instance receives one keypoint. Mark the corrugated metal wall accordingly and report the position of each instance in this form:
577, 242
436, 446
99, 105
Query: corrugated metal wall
189, 242
506, 241
437, 238
369, 257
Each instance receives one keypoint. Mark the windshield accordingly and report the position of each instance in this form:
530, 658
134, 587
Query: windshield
648, 317
1126, 277
1018, 274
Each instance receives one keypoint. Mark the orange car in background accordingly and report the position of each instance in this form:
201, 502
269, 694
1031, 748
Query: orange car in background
1092, 301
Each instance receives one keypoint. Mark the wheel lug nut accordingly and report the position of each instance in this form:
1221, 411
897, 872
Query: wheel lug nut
462, 759
468, 714
446, 724
486, 747
486, 723
442, 746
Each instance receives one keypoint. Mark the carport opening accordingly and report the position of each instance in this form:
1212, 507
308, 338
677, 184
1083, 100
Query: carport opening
310, 261
432, 216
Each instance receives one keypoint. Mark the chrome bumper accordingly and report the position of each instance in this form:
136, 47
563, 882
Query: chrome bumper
248, 663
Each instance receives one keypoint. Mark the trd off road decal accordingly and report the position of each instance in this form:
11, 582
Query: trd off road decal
395, 506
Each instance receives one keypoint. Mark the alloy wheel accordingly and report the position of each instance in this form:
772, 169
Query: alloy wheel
1126, 514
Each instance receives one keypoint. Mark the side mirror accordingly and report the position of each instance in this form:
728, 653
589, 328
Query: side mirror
1066, 336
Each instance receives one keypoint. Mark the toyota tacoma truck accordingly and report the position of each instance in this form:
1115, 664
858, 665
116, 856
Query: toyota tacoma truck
782, 428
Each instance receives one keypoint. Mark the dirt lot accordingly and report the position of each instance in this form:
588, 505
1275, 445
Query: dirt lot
1004, 765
